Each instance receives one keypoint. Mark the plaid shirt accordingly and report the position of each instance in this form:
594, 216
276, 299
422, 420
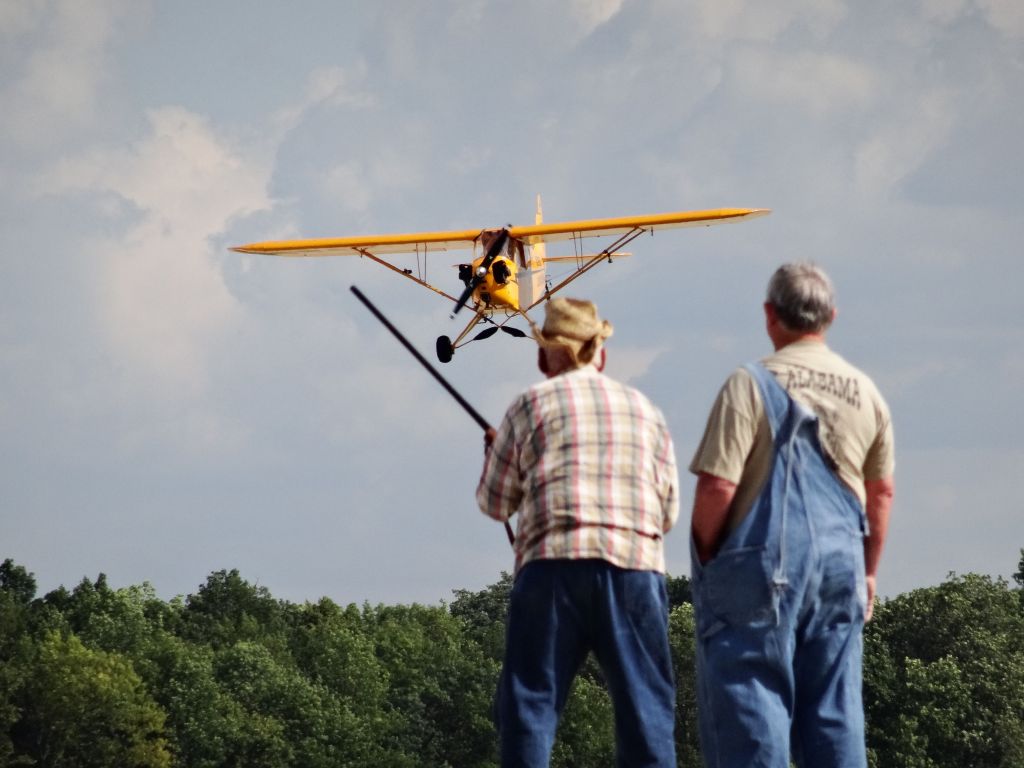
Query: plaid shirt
588, 464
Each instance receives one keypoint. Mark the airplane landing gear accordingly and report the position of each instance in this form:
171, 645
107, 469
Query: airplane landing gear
445, 350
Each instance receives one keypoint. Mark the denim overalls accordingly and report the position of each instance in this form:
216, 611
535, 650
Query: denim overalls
780, 611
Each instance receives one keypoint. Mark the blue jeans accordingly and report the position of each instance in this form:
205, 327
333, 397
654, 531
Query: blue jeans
560, 610
780, 611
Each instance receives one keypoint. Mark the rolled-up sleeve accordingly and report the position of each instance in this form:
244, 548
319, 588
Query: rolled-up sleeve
500, 490
668, 473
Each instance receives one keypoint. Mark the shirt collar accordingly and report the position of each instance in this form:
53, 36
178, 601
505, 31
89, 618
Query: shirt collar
584, 370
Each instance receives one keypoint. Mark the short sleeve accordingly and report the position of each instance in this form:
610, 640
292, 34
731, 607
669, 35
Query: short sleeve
880, 461
731, 429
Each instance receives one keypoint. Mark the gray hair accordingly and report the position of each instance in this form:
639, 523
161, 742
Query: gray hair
803, 297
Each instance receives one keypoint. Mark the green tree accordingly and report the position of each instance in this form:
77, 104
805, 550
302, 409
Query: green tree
331, 648
75, 607
315, 728
441, 686
17, 590
944, 676
682, 640
484, 615
1019, 578
678, 591
586, 733
227, 609
129, 621
205, 725
83, 708
17, 583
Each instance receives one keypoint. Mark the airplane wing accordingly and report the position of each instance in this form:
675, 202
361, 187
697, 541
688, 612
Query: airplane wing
419, 242
433, 242
569, 230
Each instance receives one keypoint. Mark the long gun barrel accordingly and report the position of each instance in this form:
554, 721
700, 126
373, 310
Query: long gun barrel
441, 379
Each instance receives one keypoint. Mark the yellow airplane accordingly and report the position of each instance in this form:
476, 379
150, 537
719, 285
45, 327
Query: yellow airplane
508, 278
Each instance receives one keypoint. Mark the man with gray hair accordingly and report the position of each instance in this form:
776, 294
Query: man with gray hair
587, 465
794, 488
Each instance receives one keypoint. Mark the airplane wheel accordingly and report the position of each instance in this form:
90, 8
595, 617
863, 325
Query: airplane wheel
444, 349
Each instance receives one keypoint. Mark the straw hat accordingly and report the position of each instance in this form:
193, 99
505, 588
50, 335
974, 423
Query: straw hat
573, 324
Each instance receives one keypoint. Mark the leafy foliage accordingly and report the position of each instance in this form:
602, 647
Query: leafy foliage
230, 676
84, 707
944, 676
679, 593
682, 640
483, 614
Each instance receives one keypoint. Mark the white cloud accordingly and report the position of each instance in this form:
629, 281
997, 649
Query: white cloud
326, 86
358, 184
820, 85
917, 125
19, 16
943, 11
467, 17
472, 158
723, 20
159, 292
56, 89
591, 14
631, 363
1007, 16
347, 182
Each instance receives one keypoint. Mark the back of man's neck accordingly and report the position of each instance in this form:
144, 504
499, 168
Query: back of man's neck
798, 338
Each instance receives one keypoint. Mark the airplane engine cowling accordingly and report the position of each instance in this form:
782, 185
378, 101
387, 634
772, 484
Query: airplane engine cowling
499, 284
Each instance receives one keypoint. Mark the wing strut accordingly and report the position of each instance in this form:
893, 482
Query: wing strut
481, 311
594, 260
406, 273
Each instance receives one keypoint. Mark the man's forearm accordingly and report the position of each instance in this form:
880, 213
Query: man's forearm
879, 504
711, 502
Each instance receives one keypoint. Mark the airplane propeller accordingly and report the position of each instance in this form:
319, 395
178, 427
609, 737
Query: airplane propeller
478, 277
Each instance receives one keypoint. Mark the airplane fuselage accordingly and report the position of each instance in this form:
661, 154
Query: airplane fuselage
500, 286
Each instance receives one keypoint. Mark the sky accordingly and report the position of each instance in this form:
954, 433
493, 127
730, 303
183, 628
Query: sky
169, 408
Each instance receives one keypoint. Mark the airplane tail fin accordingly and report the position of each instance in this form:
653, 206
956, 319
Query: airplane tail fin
538, 254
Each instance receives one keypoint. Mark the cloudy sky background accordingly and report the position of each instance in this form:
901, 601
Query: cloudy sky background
169, 408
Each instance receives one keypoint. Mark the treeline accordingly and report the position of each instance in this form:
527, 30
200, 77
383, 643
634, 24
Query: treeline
230, 676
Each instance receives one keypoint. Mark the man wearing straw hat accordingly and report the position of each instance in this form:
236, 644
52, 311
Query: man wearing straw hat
589, 466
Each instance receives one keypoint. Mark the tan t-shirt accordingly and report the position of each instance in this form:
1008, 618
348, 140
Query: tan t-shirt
854, 423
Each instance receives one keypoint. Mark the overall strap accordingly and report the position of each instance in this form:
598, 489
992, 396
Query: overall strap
784, 417
775, 399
